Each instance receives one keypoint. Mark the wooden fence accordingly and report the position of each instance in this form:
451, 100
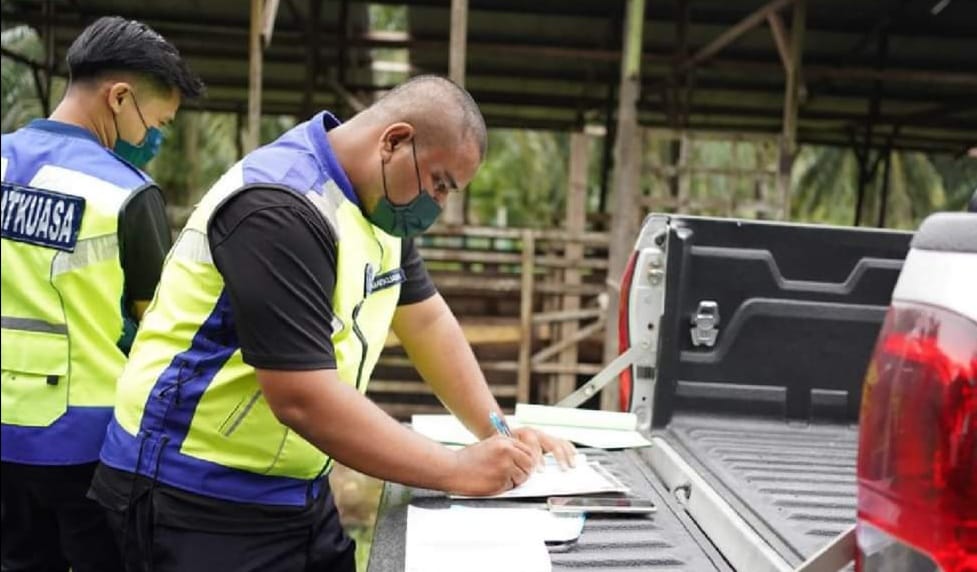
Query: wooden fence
530, 303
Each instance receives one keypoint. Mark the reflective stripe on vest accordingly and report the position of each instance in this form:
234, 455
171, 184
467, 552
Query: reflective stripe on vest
189, 402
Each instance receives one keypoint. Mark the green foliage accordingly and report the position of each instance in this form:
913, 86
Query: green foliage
19, 93
524, 172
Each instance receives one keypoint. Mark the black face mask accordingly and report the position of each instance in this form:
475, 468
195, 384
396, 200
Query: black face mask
409, 219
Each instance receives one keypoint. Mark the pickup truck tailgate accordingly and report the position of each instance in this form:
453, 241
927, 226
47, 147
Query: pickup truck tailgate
665, 541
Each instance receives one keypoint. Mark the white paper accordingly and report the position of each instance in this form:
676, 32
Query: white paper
554, 527
598, 429
584, 478
449, 540
574, 417
447, 429
443, 429
596, 438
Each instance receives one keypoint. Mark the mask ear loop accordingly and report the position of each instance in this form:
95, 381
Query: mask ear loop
115, 121
142, 119
145, 127
383, 178
417, 169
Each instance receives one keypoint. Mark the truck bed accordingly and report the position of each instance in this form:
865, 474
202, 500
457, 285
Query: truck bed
665, 541
793, 483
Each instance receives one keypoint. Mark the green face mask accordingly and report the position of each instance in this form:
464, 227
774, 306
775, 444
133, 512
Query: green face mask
406, 220
142, 153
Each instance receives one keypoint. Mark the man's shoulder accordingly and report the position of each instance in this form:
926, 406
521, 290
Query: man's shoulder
30, 150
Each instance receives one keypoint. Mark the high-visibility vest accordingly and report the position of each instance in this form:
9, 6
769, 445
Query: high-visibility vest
64, 329
189, 410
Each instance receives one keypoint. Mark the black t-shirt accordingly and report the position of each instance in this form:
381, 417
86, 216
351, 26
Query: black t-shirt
278, 259
144, 240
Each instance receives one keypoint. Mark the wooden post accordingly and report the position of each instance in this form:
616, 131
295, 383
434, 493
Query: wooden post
526, 316
884, 198
311, 57
192, 159
254, 77
239, 134
575, 225
866, 174
788, 138
342, 41
49, 56
268, 21
627, 170
455, 209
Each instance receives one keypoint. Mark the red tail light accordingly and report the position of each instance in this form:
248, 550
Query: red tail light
917, 459
623, 332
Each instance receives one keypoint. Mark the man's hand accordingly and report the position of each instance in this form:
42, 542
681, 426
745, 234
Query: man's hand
491, 466
540, 443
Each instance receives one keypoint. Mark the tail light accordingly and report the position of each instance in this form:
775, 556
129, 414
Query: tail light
625, 380
917, 456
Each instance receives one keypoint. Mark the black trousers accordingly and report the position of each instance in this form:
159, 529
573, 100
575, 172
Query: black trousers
152, 541
48, 524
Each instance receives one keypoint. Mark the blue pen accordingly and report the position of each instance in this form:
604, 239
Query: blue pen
499, 423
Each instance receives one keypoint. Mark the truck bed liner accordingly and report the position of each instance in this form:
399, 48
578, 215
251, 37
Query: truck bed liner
793, 482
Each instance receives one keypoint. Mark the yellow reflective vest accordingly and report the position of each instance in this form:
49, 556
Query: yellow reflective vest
189, 410
63, 324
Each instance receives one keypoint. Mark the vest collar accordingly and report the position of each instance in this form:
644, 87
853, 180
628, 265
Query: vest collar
316, 128
61, 128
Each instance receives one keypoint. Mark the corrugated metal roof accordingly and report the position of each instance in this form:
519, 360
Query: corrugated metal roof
555, 64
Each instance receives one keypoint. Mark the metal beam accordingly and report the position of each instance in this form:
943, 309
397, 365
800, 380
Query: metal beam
737, 30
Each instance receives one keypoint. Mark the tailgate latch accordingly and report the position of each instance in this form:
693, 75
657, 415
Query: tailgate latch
704, 324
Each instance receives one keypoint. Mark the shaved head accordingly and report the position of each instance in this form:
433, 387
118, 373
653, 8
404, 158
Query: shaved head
441, 111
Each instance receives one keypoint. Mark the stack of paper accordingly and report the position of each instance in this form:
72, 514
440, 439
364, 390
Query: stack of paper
450, 540
584, 478
591, 428
598, 429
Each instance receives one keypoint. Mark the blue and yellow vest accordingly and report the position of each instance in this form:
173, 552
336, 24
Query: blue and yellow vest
64, 329
189, 410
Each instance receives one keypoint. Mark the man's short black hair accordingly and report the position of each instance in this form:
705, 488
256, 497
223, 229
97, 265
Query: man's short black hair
114, 44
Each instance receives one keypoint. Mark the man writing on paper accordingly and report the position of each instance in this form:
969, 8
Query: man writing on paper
247, 376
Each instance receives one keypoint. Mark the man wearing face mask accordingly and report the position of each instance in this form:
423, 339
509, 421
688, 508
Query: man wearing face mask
247, 377
84, 237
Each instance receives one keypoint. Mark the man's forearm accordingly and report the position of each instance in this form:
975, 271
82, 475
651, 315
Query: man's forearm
438, 349
339, 420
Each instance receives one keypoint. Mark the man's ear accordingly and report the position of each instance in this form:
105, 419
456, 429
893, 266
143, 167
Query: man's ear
395, 135
116, 95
